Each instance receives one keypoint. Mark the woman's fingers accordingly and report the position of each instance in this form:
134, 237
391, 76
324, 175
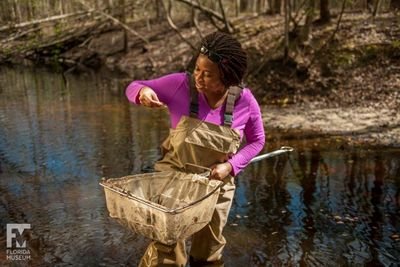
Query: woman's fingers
155, 103
148, 98
220, 171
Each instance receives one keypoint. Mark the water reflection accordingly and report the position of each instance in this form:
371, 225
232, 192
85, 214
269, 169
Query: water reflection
325, 205
322, 206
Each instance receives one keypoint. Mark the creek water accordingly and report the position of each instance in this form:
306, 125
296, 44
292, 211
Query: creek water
325, 204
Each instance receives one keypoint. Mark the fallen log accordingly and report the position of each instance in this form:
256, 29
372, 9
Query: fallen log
49, 19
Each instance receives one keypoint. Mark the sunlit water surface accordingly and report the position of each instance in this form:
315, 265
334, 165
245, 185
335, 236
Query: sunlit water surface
327, 204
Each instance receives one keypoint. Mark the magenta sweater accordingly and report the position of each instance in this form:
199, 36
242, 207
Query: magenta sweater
173, 90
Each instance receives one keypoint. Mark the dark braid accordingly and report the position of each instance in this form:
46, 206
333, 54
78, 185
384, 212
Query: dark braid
233, 63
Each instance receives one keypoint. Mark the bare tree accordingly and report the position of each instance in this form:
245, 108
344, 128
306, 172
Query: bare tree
211, 14
237, 8
173, 26
195, 22
274, 7
309, 19
122, 17
376, 8
324, 13
123, 25
160, 15
227, 26
277, 6
287, 12
243, 5
332, 35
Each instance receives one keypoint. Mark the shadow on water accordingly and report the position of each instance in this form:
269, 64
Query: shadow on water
326, 204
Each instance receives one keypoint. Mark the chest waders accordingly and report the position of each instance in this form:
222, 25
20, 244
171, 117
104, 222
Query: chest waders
195, 142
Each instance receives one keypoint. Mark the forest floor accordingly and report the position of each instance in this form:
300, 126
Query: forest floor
344, 84
352, 89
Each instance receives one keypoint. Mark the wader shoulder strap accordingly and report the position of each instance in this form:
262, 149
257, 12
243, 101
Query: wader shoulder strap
233, 94
194, 103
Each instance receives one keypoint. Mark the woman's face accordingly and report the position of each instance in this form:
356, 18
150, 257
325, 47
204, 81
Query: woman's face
207, 76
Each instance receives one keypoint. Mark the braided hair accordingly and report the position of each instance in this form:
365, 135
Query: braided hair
227, 52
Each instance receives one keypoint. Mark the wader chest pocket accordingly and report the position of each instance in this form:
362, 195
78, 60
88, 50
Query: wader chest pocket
213, 140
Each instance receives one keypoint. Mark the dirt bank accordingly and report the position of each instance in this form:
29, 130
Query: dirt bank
358, 126
351, 90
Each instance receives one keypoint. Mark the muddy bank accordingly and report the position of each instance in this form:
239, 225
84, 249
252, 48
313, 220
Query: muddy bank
355, 125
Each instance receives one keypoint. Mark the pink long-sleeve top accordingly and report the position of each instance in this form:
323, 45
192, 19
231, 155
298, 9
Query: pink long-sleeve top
174, 91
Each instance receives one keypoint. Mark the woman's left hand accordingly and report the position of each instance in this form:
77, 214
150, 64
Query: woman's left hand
220, 171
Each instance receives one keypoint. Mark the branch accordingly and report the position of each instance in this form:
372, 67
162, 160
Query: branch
339, 20
294, 19
333, 34
123, 25
75, 34
207, 11
196, 23
16, 36
202, 9
227, 26
173, 26
53, 18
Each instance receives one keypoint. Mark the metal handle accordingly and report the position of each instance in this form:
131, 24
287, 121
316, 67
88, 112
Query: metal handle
282, 150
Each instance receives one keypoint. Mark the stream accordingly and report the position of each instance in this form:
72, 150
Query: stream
325, 204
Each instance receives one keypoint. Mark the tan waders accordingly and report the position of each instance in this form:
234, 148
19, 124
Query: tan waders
204, 144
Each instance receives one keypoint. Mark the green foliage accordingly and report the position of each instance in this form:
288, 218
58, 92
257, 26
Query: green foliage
396, 44
362, 55
376, 52
370, 52
56, 52
58, 29
344, 58
395, 49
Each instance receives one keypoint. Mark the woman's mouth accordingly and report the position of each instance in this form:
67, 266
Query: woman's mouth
198, 86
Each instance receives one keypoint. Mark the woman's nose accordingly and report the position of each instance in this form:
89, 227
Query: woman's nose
198, 76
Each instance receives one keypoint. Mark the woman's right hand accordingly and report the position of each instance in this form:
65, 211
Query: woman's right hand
148, 98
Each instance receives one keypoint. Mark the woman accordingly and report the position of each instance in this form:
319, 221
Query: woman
210, 114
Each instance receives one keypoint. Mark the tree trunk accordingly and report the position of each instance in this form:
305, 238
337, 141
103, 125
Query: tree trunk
324, 13
376, 8
243, 5
264, 6
160, 14
286, 13
270, 9
17, 12
277, 6
237, 8
5, 12
309, 19
274, 7
123, 20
